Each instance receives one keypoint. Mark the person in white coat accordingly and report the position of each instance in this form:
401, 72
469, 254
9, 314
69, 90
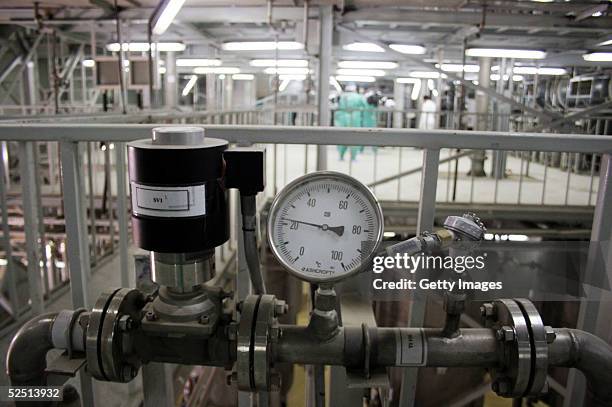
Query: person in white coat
427, 119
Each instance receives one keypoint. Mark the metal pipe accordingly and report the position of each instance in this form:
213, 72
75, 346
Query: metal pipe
248, 208
26, 357
589, 354
475, 347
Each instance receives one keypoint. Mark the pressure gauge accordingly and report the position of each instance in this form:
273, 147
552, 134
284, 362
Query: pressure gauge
325, 226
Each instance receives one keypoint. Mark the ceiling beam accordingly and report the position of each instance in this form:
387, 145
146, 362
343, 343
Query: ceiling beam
512, 21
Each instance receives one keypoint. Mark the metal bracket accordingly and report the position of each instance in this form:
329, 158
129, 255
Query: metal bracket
65, 366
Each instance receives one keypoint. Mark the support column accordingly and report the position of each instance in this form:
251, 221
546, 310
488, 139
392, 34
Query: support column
399, 96
171, 91
325, 53
593, 315
502, 111
228, 91
482, 109
211, 100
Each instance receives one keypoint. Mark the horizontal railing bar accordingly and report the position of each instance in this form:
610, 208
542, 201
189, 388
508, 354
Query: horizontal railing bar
433, 139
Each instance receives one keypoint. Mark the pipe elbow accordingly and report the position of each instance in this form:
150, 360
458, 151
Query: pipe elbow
593, 357
26, 357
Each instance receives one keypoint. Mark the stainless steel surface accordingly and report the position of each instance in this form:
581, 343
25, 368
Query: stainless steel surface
186, 136
182, 271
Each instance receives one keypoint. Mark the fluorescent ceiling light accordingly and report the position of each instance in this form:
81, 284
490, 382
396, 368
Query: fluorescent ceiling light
604, 43
363, 47
292, 63
351, 78
532, 70
426, 74
543, 1
361, 72
144, 46
89, 63
459, 68
243, 77
216, 70
292, 77
597, 14
170, 9
197, 62
598, 57
408, 49
262, 46
367, 64
189, 85
505, 53
416, 88
286, 71
515, 78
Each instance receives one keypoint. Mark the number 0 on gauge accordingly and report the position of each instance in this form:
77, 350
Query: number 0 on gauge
325, 226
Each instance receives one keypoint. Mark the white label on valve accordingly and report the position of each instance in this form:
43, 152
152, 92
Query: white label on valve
168, 202
411, 349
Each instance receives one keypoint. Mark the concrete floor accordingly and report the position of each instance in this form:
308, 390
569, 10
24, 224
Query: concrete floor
384, 162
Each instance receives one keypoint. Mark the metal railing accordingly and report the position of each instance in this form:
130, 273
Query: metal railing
73, 140
391, 161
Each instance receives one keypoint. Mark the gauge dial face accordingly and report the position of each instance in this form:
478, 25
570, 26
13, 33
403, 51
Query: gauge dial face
325, 226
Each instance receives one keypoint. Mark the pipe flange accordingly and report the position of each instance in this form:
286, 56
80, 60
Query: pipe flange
539, 346
262, 352
254, 343
248, 309
108, 355
514, 378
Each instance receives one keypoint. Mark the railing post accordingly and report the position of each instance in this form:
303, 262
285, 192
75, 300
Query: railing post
425, 222
589, 318
126, 280
11, 272
325, 53
29, 179
77, 247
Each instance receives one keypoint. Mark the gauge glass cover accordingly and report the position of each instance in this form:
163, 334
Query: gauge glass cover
325, 226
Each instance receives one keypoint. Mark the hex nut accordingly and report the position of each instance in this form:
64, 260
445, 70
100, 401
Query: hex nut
231, 378
501, 386
487, 310
505, 333
129, 371
204, 319
280, 307
126, 323
551, 335
231, 332
150, 316
275, 381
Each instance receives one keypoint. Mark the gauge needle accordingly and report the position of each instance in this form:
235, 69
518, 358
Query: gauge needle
339, 230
